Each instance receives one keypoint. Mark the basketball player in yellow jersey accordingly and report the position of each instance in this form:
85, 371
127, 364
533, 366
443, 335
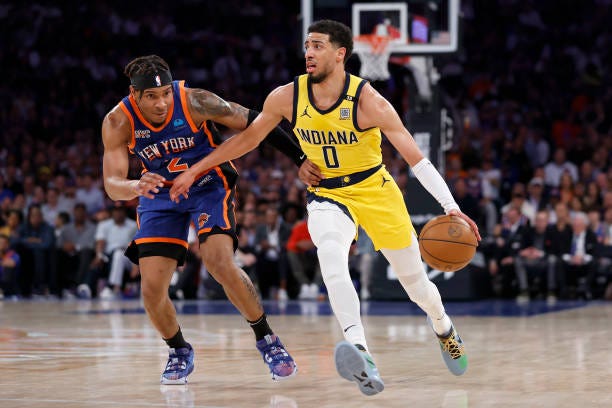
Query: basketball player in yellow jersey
338, 119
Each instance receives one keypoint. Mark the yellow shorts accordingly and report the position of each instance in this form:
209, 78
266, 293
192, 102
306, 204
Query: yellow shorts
376, 204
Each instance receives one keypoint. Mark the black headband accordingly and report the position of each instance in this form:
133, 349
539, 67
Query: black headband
154, 80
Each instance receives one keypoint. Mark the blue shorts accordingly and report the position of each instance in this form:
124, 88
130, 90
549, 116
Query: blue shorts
163, 225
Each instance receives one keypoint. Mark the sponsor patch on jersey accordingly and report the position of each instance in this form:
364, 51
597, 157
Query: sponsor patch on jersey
203, 219
142, 133
345, 113
205, 180
178, 122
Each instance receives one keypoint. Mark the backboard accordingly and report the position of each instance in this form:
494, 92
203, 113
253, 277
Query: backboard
418, 27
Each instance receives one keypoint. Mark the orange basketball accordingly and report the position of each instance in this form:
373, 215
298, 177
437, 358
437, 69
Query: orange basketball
447, 243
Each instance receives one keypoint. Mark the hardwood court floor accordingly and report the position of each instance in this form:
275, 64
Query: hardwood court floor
106, 354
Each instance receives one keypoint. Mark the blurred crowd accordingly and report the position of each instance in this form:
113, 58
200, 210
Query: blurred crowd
531, 159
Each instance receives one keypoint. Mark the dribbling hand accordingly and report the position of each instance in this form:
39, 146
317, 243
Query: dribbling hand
473, 225
149, 184
309, 173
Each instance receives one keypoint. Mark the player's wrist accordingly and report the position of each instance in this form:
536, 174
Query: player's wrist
451, 207
133, 186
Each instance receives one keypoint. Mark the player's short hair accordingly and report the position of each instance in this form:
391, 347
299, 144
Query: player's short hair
148, 71
339, 34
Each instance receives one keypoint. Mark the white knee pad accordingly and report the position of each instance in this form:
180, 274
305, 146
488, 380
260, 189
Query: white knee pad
408, 267
333, 258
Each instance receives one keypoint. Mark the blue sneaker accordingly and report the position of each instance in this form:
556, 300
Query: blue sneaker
279, 361
179, 366
354, 363
452, 349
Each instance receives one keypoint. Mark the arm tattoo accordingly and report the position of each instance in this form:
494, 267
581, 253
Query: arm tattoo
240, 111
208, 104
250, 288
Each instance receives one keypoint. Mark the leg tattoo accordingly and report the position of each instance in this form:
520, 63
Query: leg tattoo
251, 289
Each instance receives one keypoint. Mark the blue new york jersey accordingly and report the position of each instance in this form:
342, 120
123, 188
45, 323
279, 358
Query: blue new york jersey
175, 145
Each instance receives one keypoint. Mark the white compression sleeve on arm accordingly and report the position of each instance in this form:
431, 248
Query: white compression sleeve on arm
433, 182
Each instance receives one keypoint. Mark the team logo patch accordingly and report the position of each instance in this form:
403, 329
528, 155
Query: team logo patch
203, 219
345, 113
157, 80
305, 113
178, 122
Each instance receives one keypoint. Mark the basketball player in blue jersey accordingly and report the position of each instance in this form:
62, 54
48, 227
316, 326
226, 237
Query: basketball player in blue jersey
338, 119
170, 127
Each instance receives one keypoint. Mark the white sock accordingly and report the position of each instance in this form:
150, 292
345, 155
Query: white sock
441, 326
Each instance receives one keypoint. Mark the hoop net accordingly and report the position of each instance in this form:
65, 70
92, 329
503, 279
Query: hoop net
373, 52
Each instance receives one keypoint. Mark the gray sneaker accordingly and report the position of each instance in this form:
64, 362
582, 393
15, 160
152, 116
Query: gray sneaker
452, 349
354, 363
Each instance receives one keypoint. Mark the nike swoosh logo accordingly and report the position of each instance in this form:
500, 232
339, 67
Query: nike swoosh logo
352, 325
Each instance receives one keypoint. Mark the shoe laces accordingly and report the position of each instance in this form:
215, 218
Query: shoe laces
276, 353
176, 362
452, 346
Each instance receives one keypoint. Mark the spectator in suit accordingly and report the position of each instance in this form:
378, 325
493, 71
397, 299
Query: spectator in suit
578, 259
560, 230
267, 244
36, 243
509, 236
535, 257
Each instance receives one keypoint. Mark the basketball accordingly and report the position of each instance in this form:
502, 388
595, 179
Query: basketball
447, 243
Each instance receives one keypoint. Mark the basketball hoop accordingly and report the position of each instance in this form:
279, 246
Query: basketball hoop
373, 52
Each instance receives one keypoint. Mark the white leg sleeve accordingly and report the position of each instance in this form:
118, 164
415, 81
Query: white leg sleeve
332, 231
408, 267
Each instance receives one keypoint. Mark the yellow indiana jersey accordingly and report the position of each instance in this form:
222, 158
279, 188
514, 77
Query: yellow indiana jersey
331, 138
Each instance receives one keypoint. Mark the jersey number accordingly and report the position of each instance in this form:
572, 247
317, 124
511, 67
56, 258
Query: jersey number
175, 167
331, 157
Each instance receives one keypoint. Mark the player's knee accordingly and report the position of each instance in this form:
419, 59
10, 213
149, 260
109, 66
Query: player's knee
152, 292
406, 262
333, 258
221, 268
422, 291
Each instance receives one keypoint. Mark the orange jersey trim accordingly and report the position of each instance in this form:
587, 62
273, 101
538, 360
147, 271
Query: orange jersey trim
205, 230
146, 122
133, 136
162, 240
208, 134
228, 191
183, 94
